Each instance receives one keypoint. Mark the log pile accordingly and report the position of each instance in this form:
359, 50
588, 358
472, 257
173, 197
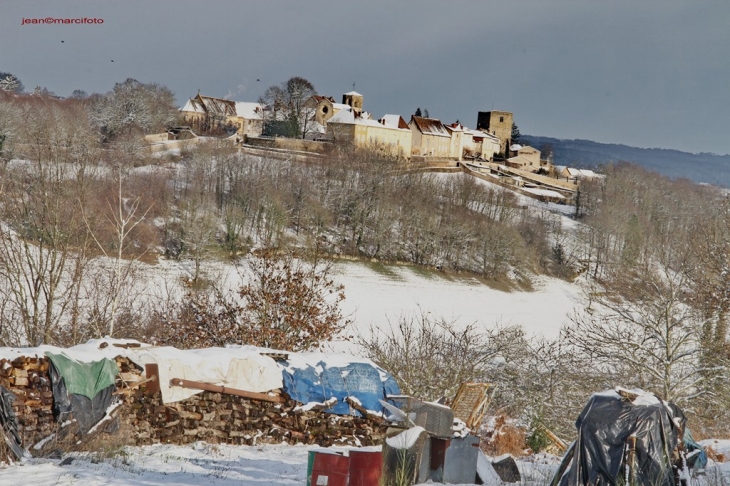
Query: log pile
224, 418
209, 416
27, 378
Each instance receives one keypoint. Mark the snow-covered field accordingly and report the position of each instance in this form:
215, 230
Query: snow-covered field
374, 298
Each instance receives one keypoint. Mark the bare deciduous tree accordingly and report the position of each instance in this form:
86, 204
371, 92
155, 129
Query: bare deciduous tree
642, 323
430, 357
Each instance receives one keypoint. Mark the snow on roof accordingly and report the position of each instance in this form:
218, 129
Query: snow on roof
581, 172
208, 104
394, 121
543, 192
478, 133
515, 147
391, 120
341, 106
349, 118
519, 159
218, 106
430, 126
353, 93
457, 128
248, 110
320, 98
343, 116
482, 134
194, 107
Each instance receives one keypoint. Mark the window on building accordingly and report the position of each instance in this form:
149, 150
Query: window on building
501, 119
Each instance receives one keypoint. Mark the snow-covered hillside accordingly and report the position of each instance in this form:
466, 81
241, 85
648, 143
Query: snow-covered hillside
375, 297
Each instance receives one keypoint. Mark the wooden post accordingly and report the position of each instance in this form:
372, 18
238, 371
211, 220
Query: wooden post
630, 460
150, 370
198, 385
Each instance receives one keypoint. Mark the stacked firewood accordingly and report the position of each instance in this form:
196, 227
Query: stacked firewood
208, 416
27, 378
224, 418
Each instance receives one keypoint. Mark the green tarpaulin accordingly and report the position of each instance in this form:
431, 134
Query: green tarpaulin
85, 379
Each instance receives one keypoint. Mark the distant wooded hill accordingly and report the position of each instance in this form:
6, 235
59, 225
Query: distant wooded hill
585, 154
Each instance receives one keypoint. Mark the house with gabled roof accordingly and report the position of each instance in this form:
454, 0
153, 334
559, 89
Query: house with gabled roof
250, 117
459, 140
389, 135
485, 144
524, 157
206, 113
430, 137
573, 174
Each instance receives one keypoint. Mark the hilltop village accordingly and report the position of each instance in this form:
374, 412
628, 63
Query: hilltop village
491, 150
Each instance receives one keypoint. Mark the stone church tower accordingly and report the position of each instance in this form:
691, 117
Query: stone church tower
354, 100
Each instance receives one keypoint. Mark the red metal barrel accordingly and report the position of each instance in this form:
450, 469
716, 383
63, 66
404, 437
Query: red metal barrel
330, 469
365, 468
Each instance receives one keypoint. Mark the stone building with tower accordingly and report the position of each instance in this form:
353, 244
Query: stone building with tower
497, 123
354, 100
325, 107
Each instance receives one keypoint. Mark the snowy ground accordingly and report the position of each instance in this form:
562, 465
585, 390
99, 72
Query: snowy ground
222, 465
196, 464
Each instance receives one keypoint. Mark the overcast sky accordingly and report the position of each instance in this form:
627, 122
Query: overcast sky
644, 73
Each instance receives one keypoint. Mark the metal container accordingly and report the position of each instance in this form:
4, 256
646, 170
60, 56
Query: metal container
330, 469
365, 468
435, 418
460, 462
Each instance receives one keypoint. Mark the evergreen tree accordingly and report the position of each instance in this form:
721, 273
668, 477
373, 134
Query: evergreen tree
516, 135
8, 82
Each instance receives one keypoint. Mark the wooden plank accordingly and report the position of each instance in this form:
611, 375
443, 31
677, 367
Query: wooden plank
198, 385
150, 370
557, 441
470, 403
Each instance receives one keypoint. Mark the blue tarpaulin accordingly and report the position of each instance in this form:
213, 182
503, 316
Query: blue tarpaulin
320, 382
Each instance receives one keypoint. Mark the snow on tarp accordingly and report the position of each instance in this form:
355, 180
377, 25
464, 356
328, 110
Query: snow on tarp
317, 377
93, 350
305, 377
604, 427
229, 367
232, 367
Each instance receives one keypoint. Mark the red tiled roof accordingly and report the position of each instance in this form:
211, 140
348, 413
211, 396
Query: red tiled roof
430, 126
